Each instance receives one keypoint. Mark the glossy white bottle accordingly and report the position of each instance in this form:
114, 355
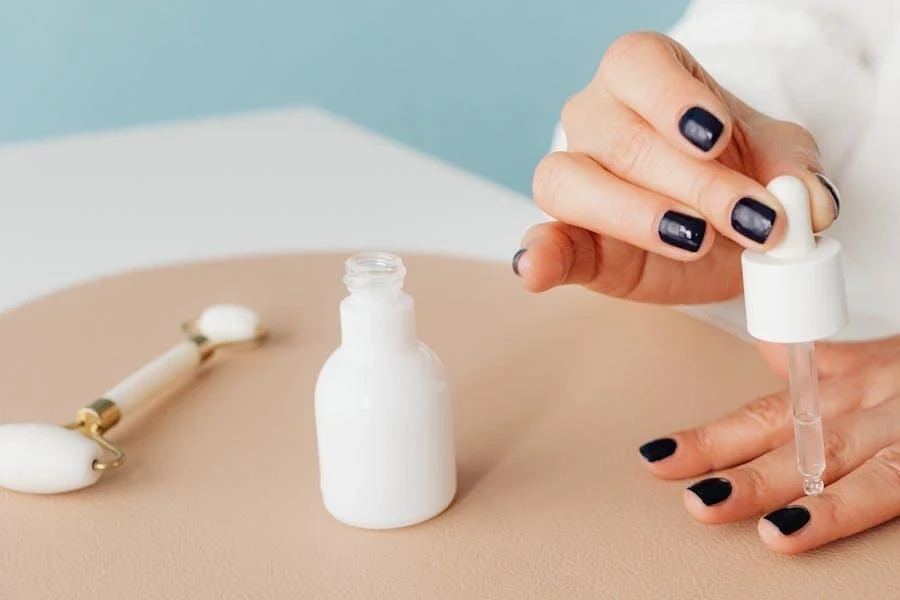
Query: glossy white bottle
384, 422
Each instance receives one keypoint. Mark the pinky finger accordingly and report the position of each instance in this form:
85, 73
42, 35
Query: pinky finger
867, 497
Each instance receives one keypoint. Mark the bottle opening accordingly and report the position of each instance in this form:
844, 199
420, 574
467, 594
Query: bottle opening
374, 270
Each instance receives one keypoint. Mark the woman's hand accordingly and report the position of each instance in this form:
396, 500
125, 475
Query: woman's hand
752, 453
660, 188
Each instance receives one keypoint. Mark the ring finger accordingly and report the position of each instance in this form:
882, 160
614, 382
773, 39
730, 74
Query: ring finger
756, 428
771, 480
573, 188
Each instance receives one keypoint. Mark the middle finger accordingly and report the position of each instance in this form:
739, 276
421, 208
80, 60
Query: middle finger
756, 428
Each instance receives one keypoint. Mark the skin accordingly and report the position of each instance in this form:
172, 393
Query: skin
626, 164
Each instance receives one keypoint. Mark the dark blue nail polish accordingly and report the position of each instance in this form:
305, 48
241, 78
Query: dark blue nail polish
658, 449
700, 127
712, 491
682, 231
789, 520
753, 219
832, 189
515, 260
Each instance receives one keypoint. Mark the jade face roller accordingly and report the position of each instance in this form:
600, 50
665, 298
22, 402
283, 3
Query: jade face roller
41, 458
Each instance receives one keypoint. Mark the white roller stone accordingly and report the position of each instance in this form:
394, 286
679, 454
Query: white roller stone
40, 458
228, 323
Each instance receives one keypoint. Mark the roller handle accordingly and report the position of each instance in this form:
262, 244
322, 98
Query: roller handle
155, 376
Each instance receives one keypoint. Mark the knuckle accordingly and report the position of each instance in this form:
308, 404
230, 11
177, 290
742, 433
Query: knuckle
834, 507
703, 442
768, 413
704, 191
880, 381
573, 109
548, 180
755, 482
839, 447
806, 145
661, 101
618, 54
631, 151
888, 461
796, 130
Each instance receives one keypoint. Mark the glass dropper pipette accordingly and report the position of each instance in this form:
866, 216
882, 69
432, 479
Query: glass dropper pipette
794, 295
808, 437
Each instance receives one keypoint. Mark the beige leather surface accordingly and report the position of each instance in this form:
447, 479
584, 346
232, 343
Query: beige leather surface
554, 393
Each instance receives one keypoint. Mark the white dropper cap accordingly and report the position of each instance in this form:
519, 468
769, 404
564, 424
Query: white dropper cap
795, 292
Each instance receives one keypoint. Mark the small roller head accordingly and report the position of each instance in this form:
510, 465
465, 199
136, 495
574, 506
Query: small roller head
226, 323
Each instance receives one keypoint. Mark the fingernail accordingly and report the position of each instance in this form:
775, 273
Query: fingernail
682, 231
700, 127
658, 449
832, 189
712, 491
753, 219
789, 519
515, 261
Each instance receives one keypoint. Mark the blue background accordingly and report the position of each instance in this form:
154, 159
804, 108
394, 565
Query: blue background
477, 83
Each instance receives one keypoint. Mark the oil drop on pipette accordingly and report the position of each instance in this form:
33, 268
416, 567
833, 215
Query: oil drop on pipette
794, 295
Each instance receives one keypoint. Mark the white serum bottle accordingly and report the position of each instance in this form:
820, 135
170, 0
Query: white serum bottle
384, 419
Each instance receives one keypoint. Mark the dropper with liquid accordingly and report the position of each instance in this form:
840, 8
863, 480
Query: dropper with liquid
794, 295
808, 437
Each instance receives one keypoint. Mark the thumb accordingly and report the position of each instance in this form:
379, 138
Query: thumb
785, 148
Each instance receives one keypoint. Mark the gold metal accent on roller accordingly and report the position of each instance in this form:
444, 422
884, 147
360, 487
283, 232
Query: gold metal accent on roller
102, 414
208, 347
92, 422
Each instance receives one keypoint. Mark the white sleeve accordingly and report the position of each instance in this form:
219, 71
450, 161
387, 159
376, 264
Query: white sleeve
814, 62
808, 61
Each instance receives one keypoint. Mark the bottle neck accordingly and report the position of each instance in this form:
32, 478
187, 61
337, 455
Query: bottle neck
377, 323
376, 317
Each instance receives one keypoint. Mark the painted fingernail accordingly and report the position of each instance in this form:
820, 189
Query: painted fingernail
682, 231
753, 219
658, 449
712, 491
700, 127
832, 189
515, 261
789, 519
